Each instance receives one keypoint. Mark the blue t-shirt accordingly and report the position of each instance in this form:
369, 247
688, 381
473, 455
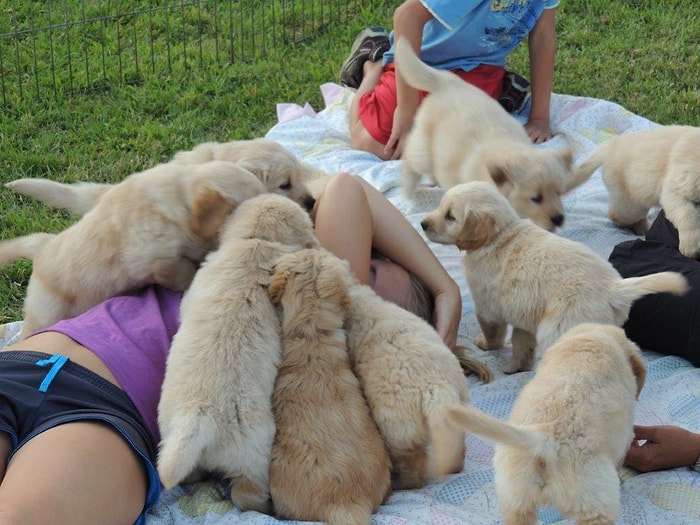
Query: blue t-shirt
464, 34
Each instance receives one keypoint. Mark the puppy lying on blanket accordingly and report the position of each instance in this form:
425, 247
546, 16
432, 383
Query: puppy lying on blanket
461, 134
409, 378
328, 460
276, 167
153, 227
215, 411
660, 166
521, 275
569, 429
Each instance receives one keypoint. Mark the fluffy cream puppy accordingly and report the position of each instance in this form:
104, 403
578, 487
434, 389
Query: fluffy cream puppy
644, 169
278, 169
409, 377
328, 460
215, 412
569, 429
537, 282
153, 227
461, 134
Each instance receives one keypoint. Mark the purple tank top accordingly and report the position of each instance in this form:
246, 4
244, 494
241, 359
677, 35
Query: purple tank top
132, 335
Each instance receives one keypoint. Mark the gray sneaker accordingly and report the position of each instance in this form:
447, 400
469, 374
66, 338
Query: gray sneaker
370, 44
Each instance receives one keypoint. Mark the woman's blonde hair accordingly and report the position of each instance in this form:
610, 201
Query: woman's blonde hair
419, 299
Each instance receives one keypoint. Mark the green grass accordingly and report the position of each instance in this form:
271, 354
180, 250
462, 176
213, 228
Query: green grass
642, 55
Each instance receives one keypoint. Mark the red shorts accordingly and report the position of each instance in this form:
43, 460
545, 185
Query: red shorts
376, 108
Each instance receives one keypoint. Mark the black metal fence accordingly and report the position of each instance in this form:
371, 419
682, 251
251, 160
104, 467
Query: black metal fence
54, 47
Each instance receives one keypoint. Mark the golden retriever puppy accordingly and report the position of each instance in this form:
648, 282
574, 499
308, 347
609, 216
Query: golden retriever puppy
537, 282
78, 198
641, 170
328, 460
154, 227
569, 429
278, 169
461, 134
215, 411
409, 378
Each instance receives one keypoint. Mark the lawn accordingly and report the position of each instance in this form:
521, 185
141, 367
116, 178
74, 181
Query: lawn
642, 55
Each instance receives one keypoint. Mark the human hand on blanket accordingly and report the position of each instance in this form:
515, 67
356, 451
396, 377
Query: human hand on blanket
665, 447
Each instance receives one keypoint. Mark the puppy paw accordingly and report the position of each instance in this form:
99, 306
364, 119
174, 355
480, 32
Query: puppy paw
689, 245
485, 344
512, 368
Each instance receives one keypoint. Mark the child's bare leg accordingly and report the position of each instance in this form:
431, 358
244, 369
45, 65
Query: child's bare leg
74, 473
359, 136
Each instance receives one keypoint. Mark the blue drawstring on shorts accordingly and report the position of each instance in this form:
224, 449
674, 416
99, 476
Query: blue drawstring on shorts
57, 360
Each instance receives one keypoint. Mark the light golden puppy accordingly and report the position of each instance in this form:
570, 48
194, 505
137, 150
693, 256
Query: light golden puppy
328, 460
521, 275
569, 429
153, 227
278, 169
641, 170
409, 378
215, 411
461, 134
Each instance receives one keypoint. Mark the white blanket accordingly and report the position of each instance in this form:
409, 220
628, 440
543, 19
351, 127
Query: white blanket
671, 394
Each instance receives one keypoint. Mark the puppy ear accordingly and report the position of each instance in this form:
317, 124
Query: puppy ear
276, 287
209, 213
639, 369
500, 175
477, 231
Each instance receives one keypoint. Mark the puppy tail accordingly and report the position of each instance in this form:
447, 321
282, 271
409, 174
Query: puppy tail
630, 289
180, 452
77, 198
416, 72
22, 247
585, 169
481, 424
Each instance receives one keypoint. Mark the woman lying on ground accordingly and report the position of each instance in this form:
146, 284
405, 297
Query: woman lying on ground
79, 400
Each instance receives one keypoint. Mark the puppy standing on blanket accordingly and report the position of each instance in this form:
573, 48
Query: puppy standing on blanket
521, 275
660, 166
215, 411
409, 377
569, 429
153, 227
328, 460
461, 134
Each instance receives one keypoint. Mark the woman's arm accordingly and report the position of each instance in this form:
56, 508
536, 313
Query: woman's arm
352, 217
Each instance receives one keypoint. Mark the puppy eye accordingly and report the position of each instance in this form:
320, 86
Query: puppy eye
537, 198
449, 216
286, 186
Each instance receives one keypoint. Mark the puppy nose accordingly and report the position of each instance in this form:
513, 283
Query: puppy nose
424, 224
557, 220
309, 203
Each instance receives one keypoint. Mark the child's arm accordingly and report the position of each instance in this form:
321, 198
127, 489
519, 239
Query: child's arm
542, 48
409, 19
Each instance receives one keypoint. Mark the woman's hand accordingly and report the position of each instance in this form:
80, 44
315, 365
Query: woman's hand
665, 447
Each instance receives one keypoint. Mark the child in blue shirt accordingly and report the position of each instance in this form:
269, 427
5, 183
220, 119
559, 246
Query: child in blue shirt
472, 39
